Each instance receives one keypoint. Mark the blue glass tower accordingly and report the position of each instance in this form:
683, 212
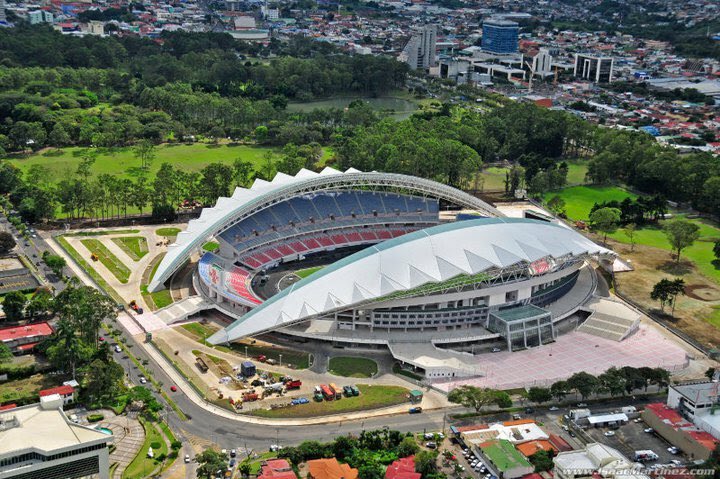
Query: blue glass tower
500, 36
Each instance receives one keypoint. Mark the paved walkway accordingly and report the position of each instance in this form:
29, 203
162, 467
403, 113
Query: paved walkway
128, 437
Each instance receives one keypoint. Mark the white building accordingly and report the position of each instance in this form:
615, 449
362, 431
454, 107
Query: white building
595, 68
38, 441
596, 458
419, 53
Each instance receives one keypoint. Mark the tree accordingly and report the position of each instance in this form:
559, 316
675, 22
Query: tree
14, 306
583, 383
5, 354
542, 460
55, 263
710, 373
478, 398
244, 469
559, 390
557, 205
343, 446
666, 291
426, 463
85, 308
144, 151
103, 380
217, 181
539, 395
408, 446
40, 303
67, 348
630, 230
605, 221
210, 462
7, 242
681, 233
613, 381
716, 250
242, 172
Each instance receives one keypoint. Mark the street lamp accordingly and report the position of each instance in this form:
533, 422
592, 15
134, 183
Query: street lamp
281, 360
246, 355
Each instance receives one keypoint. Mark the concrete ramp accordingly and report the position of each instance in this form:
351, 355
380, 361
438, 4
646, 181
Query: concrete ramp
183, 309
610, 319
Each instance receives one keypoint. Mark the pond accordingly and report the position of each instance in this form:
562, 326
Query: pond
400, 107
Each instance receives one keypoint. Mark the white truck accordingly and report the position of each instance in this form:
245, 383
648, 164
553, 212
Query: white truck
645, 455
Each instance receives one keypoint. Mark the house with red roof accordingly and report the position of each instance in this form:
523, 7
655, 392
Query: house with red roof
402, 469
23, 339
277, 469
67, 393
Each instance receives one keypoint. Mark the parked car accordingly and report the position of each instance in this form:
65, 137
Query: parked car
553, 408
649, 430
673, 450
143, 380
275, 448
496, 350
118, 349
582, 404
415, 410
431, 445
173, 389
609, 433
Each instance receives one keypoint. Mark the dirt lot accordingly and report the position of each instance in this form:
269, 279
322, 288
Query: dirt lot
693, 312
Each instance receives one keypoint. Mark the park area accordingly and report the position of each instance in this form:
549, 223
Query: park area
698, 309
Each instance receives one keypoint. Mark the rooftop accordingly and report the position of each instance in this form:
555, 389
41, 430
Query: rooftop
43, 429
28, 331
61, 390
402, 469
330, 469
519, 313
699, 393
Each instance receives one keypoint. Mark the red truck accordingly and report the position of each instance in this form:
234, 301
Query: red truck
327, 393
293, 384
247, 397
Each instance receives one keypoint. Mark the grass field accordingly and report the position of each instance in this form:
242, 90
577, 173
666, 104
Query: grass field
109, 260
135, 246
200, 331
579, 200
159, 299
142, 466
304, 273
23, 390
122, 161
371, 397
168, 232
211, 246
494, 177
103, 233
701, 253
353, 367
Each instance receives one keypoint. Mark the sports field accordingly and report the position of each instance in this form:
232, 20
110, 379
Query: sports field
304, 273
579, 200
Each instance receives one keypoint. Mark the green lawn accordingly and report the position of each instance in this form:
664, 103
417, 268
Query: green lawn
103, 233
105, 256
304, 273
579, 200
701, 253
168, 232
25, 391
576, 172
211, 246
494, 178
142, 466
122, 161
199, 330
135, 246
371, 397
160, 298
353, 367
63, 242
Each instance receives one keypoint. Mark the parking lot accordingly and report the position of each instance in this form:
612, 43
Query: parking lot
632, 437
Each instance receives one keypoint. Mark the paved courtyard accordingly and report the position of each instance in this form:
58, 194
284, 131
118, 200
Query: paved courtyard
571, 353
128, 436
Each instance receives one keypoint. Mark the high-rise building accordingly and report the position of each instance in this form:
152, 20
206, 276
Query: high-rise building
595, 68
2, 11
500, 36
420, 49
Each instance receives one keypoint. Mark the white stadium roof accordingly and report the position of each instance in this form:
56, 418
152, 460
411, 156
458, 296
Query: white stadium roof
431, 255
245, 201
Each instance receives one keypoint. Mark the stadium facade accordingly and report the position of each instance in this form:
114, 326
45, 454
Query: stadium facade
399, 276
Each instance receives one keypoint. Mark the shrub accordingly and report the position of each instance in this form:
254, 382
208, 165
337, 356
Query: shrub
155, 444
95, 417
176, 445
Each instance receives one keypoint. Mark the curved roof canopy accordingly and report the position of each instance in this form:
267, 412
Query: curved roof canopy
431, 255
244, 201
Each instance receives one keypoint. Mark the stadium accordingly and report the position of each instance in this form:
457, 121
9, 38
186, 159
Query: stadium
388, 261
